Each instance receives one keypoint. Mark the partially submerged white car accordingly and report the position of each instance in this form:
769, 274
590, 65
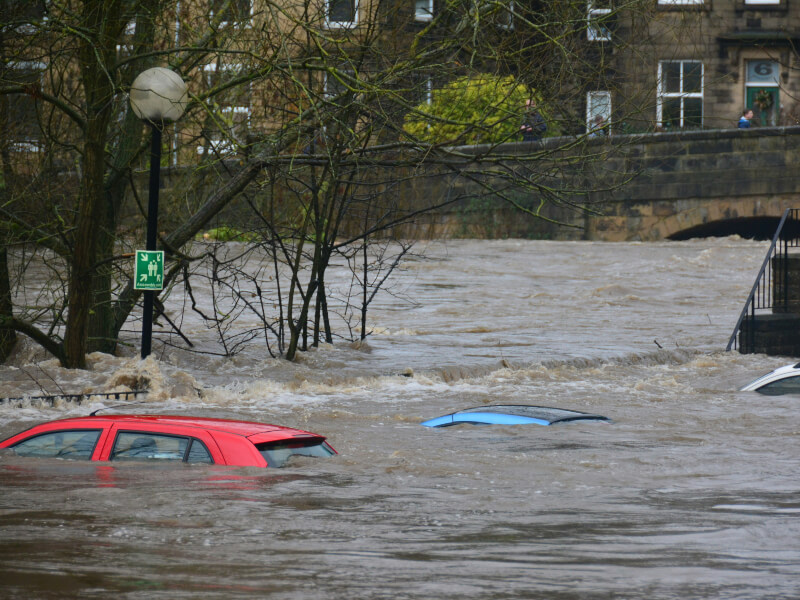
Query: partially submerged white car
784, 380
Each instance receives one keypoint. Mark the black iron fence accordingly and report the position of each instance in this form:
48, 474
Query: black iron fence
771, 288
76, 398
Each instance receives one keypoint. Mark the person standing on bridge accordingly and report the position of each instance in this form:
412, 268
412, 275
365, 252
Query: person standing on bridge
744, 120
533, 124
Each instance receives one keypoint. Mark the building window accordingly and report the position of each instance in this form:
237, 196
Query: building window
597, 29
680, 2
238, 12
24, 127
505, 19
773, 2
598, 112
228, 116
762, 90
341, 13
421, 89
334, 87
125, 50
423, 10
680, 94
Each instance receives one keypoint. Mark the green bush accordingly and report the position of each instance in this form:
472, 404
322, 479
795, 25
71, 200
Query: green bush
473, 110
229, 234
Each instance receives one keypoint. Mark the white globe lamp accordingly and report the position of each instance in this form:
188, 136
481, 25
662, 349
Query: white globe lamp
159, 95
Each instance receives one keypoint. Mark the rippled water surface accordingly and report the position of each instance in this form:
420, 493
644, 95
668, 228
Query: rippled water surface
691, 492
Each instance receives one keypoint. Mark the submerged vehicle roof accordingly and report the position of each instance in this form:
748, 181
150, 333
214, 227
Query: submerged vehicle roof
243, 428
778, 374
512, 414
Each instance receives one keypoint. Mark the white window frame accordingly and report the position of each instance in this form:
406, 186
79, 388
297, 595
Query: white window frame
680, 2
509, 24
126, 48
224, 145
341, 24
593, 32
426, 14
591, 103
661, 95
129, 31
327, 94
768, 2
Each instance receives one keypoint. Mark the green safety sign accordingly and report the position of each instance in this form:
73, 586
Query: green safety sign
148, 272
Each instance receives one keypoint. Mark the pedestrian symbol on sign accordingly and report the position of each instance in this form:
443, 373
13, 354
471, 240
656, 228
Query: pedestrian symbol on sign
148, 273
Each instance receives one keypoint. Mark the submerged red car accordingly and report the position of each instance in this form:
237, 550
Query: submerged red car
168, 438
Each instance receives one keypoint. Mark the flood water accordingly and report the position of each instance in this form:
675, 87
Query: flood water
691, 492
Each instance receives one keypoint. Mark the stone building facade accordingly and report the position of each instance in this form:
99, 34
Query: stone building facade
684, 64
661, 64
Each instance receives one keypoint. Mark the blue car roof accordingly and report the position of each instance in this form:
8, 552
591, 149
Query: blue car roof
512, 414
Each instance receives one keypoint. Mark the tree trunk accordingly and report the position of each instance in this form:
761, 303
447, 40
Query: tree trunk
91, 215
101, 317
103, 330
8, 337
93, 211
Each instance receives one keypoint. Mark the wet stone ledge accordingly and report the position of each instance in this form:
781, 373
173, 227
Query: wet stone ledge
772, 334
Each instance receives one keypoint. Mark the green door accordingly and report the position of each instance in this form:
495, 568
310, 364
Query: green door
765, 103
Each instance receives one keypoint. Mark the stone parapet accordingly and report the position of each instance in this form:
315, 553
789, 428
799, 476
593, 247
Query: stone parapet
646, 186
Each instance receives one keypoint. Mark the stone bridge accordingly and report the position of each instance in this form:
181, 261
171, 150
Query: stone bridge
644, 187
657, 186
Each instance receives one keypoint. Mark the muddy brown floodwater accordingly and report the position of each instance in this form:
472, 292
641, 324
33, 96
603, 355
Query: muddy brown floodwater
691, 492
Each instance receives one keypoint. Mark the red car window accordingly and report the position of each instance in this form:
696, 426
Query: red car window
145, 445
198, 453
76, 444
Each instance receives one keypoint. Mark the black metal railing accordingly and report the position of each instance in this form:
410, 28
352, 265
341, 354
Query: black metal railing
771, 288
76, 398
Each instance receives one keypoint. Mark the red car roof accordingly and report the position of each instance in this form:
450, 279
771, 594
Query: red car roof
243, 428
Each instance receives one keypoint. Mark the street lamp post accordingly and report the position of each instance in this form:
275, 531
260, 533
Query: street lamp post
157, 96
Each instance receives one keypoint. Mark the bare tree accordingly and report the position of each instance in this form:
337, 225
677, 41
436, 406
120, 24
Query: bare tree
296, 119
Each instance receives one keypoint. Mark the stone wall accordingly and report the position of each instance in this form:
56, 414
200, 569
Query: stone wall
786, 284
685, 180
773, 334
655, 186
639, 187
723, 35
